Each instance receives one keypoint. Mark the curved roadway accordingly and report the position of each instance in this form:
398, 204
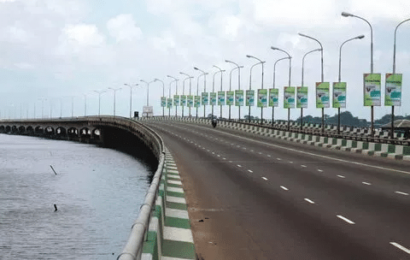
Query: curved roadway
253, 197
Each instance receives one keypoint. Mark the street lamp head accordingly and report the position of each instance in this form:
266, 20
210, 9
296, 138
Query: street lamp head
274, 48
346, 14
249, 56
195, 68
303, 35
156, 79
169, 76
228, 61
360, 37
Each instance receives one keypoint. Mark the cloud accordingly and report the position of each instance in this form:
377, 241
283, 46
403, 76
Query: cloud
123, 28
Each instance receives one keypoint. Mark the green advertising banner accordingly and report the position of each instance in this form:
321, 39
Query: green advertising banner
163, 101
169, 103
183, 100
205, 98
238, 98
230, 97
176, 100
262, 98
302, 97
273, 97
213, 98
289, 97
250, 98
197, 101
221, 98
393, 89
372, 89
339, 95
322, 95
190, 101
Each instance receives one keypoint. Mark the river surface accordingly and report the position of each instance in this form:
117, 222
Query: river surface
98, 193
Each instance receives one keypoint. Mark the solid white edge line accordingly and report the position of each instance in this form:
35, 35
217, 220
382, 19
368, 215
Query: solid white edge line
400, 247
310, 201
345, 219
284, 188
402, 193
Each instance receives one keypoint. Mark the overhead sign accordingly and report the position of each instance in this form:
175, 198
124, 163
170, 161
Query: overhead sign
372, 89
238, 98
392, 95
302, 97
274, 97
250, 98
262, 98
339, 95
205, 98
322, 95
289, 97
221, 98
213, 98
163, 101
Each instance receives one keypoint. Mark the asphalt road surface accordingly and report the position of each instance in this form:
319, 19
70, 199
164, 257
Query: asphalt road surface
253, 197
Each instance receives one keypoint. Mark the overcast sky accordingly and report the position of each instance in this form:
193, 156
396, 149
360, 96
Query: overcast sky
56, 49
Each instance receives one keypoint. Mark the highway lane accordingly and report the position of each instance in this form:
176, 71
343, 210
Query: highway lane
290, 205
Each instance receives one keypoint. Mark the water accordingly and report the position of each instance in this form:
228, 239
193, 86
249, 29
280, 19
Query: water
98, 193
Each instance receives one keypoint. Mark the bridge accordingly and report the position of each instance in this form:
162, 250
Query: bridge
256, 192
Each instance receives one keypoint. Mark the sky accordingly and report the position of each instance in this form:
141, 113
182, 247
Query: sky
53, 52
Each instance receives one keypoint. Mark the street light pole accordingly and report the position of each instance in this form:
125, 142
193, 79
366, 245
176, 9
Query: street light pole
204, 74
213, 89
176, 93
344, 14
163, 94
322, 75
115, 92
183, 89
169, 108
274, 81
239, 85
147, 91
289, 81
99, 100
394, 72
131, 87
250, 80
85, 104
340, 75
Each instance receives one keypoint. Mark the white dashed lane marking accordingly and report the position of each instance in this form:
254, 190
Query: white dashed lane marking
345, 219
250, 171
265, 178
284, 188
400, 247
366, 183
310, 201
402, 193
341, 176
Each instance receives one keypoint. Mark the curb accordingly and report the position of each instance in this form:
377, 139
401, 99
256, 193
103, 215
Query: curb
169, 236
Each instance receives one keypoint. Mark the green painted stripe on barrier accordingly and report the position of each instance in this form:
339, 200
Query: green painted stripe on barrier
378, 147
178, 249
151, 245
177, 222
391, 148
175, 194
174, 185
334, 141
406, 150
344, 142
365, 146
174, 205
354, 144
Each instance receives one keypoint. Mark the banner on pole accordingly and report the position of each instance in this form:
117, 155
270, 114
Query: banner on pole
262, 98
190, 101
289, 97
176, 100
230, 97
392, 95
322, 95
213, 98
339, 95
372, 89
169, 103
273, 97
197, 101
302, 97
239, 98
183, 100
250, 98
163, 101
221, 98
205, 98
